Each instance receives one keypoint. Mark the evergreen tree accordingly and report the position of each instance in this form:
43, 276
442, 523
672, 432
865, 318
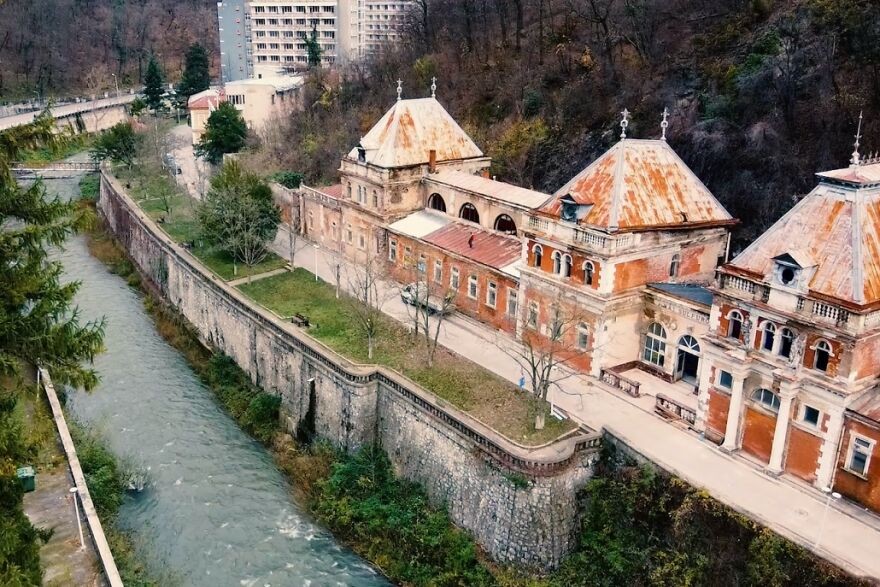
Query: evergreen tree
313, 48
225, 132
196, 77
37, 323
119, 143
153, 85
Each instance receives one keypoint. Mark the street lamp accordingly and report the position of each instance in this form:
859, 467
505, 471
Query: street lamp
116, 83
74, 491
830, 495
316, 262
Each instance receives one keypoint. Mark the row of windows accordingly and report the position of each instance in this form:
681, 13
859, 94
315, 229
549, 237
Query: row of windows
362, 195
473, 284
654, 349
779, 341
292, 9
503, 222
556, 327
562, 264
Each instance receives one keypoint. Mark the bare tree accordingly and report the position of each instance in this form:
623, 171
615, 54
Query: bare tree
546, 354
429, 303
366, 282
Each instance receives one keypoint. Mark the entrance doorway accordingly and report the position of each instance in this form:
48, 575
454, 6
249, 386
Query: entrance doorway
687, 367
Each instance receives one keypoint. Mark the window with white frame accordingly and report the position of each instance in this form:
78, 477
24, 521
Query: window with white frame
734, 324
392, 250
557, 262
675, 265
786, 341
491, 294
766, 398
655, 345
583, 336
859, 457
422, 266
348, 234
566, 266
362, 241
511, 302
438, 271
810, 415
375, 199
473, 290
768, 336
589, 270
454, 280
537, 255
725, 379
532, 318
822, 355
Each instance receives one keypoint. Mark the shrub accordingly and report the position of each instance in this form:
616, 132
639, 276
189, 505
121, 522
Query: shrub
289, 179
89, 186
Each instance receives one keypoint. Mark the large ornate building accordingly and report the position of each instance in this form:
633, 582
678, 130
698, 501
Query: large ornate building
774, 355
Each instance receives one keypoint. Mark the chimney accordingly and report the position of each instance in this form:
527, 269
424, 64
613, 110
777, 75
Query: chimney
485, 173
432, 160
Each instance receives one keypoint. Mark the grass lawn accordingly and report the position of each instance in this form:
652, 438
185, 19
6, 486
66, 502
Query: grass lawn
46, 155
484, 395
182, 225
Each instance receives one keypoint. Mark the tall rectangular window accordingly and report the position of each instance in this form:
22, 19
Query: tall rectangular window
860, 450
454, 280
725, 380
491, 294
392, 250
473, 289
511, 302
438, 271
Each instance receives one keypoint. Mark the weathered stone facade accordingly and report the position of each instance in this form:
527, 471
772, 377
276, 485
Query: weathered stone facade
518, 502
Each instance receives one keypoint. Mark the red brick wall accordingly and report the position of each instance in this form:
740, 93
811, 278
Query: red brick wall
573, 315
656, 268
758, 428
475, 308
724, 323
864, 491
802, 458
577, 271
866, 357
716, 419
833, 363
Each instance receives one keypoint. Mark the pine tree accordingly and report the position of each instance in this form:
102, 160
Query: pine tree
153, 85
225, 132
196, 77
313, 48
38, 322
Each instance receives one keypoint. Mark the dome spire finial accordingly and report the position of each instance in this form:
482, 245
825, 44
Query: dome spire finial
624, 123
856, 158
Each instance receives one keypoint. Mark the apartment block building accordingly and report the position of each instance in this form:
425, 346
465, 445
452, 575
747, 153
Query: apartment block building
273, 34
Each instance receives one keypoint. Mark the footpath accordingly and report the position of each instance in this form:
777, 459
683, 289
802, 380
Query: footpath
845, 536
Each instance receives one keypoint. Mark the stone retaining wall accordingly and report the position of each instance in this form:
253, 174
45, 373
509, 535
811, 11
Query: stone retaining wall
518, 502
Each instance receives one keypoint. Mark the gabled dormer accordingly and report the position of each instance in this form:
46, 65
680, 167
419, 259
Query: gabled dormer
792, 269
570, 210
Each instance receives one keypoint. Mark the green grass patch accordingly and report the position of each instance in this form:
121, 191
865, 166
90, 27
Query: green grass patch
67, 148
487, 397
181, 223
90, 186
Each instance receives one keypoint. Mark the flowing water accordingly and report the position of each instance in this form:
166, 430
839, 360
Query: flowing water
216, 511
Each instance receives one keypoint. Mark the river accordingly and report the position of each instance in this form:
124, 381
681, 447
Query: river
216, 512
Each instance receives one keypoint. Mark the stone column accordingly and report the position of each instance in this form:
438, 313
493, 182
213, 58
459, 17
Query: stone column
734, 413
829, 451
780, 434
703, 394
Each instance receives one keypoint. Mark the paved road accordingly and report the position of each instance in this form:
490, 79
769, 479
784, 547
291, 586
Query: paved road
849, 538
66, 110
194, 172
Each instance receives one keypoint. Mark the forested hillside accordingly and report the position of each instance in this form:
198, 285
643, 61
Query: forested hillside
67, 47
762, 93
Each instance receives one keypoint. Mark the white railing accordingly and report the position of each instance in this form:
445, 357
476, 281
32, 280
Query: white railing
835, 313
539, 223
738, 283
589, 238
872, 319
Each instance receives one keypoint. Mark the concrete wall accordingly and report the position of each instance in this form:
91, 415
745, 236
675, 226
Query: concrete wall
519, 503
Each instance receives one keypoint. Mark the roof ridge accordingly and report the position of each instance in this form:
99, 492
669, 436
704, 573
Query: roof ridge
617, 187
766, 234
858, 277
695, 177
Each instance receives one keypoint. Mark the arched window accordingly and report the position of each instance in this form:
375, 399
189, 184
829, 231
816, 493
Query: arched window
349, 191
786, 341
734, 324
505, 224
469, 213
768, 336
436, 202
537, 255
566, 266
655, 345
822, 356
589, 270
557, 262
375, 199
766, 398
674, 265
690, 344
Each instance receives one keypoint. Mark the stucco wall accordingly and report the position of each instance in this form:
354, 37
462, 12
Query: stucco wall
519, 503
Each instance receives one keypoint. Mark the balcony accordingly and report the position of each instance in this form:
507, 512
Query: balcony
591, 240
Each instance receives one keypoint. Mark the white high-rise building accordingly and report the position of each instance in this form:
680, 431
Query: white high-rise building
272, 34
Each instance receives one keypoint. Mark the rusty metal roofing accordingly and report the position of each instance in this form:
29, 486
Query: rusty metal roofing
332, 191
489, 248
838, 229
409, 130
206, 100
640, 184
498, 190
865, 174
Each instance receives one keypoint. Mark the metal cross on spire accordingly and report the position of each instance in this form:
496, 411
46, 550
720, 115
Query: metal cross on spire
624, 123
664, 124
399, 89
434, 87
856, 158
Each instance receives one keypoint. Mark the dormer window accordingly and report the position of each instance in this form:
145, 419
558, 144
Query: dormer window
362, 154
569, 208
789, 268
